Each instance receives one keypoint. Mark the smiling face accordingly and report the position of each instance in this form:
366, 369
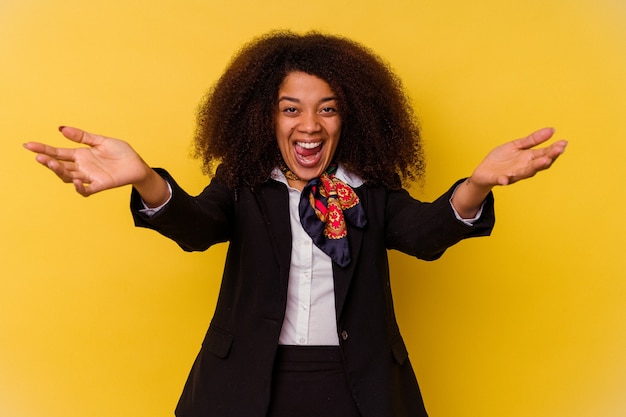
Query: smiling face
308, 125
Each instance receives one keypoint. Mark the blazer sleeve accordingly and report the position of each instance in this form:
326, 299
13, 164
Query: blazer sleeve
426, 230
194, 223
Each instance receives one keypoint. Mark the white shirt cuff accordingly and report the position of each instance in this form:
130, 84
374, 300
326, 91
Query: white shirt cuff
151, 211
469, 222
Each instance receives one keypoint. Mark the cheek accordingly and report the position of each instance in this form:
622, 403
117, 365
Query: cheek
337, 128
283, 129
337, 133
283, 137
282, 140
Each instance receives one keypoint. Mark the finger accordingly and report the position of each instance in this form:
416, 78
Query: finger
535, 138
503, 180
71, 133
34, 146
80, 136
81, 188
553, 151
66, 171
55, 166
62, 154
544, 161
557, 148
37, 147
85, 188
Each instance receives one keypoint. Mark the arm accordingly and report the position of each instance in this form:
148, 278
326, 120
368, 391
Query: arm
103, 164
194, 223
504, 165
425, 230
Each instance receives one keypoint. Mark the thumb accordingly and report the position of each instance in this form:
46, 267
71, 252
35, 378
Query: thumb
80, 136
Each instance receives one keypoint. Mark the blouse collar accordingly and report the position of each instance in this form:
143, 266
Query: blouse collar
342, 174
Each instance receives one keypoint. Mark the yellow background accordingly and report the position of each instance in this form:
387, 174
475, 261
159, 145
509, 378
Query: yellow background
99, 319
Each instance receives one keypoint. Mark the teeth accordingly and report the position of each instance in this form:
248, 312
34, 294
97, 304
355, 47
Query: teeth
309, 145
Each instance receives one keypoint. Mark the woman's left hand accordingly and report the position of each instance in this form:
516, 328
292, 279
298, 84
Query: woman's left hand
506, 164
517, 160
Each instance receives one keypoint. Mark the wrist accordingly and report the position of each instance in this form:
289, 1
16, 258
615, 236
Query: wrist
469, 196
477, 188
152, 188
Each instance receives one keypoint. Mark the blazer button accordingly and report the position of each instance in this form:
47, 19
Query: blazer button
344, 335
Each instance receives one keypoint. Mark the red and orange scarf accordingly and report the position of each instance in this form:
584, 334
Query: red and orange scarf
325, 206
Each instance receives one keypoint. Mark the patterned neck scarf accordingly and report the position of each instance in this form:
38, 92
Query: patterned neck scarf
326, 203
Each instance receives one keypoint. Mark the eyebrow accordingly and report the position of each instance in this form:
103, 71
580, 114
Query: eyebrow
296, 100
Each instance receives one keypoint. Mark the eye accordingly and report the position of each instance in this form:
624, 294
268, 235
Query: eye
328, 110
289, 110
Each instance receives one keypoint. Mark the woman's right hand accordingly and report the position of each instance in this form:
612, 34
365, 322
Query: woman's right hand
103, 164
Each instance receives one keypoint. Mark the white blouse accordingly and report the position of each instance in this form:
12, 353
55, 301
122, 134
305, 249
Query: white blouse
310, 316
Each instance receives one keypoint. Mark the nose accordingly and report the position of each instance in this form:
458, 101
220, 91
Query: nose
309, 122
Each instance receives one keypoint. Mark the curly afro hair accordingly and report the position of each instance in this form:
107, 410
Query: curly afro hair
380, 138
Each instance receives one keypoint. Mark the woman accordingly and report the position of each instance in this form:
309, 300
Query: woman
314, 137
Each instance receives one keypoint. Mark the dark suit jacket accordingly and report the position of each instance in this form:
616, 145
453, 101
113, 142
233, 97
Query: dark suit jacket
232, 375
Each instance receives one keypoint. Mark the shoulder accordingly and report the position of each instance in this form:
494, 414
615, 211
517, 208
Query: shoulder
348, 177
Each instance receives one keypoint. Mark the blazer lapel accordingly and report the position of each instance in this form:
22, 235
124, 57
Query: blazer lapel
343, 276
273, 200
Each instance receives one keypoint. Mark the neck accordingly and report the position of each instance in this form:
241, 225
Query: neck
297, 183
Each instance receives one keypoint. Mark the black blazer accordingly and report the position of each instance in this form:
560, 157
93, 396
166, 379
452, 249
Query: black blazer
232, 375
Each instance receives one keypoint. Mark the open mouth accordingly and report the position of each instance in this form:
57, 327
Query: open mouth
308, 153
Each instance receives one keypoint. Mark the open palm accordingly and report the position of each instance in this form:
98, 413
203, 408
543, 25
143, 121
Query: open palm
517, 160
103, 164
